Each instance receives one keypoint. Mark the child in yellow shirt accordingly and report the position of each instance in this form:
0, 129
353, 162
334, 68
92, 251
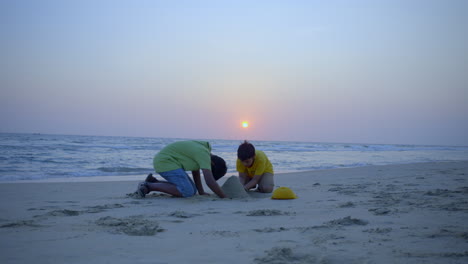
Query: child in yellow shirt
254, 168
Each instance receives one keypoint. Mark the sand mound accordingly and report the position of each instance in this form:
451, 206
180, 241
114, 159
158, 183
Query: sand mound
234, 189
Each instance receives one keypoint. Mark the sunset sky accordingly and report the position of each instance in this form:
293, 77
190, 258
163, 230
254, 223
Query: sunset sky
323, 71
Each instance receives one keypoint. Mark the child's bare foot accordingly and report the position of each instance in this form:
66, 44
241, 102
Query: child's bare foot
151, 178
142, 189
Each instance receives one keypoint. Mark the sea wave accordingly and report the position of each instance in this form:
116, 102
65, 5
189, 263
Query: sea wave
28, 156
124, 169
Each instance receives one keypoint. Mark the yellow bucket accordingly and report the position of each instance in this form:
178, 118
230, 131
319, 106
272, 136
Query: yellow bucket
283, 193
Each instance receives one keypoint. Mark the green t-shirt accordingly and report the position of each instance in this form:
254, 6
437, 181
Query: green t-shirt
188, 155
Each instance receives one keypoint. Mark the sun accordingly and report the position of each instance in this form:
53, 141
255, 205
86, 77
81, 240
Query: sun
245, 124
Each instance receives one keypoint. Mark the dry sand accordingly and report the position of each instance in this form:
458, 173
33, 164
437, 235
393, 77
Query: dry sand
414, 213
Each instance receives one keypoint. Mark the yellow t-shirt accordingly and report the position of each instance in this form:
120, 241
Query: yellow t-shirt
260, 165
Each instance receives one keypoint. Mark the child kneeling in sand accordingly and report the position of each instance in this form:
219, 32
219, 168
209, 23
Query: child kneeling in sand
254, 168
176, 158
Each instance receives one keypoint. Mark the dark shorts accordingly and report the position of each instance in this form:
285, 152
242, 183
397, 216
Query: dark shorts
181, 180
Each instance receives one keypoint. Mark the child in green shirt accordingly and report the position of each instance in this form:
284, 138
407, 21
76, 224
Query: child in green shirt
175, 159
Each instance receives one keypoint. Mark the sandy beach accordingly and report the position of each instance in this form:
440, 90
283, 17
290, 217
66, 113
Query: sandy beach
413, 213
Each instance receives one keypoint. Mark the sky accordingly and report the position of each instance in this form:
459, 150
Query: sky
377, 71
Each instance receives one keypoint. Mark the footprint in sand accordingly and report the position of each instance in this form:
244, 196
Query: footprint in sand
132, 226
20, 223
102, 208
380, 211
378, 230
64, 212
286, 255
222, 233
182, 214
271, 230
346, 221
268, 212
346, 205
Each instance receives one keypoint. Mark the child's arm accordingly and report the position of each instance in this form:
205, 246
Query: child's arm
198, 183
211, 182
243, 178
260, 169
255, 180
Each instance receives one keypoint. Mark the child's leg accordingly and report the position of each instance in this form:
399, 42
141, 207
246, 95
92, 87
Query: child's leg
164, 187
151, 178
178, 184
267, 183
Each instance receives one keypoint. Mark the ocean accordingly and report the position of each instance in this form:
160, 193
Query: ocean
47, 157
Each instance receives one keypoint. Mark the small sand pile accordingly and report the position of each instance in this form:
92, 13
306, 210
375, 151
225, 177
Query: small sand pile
234, 189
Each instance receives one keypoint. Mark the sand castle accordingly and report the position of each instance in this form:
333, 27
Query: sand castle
234, 189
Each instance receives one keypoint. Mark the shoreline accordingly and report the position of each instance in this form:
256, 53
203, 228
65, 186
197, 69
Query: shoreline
126, 178
409, 213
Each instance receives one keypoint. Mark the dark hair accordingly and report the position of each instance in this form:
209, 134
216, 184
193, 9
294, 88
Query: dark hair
218, 167
245, 151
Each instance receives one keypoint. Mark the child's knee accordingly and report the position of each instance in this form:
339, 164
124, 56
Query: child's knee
188, 191
266, 189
